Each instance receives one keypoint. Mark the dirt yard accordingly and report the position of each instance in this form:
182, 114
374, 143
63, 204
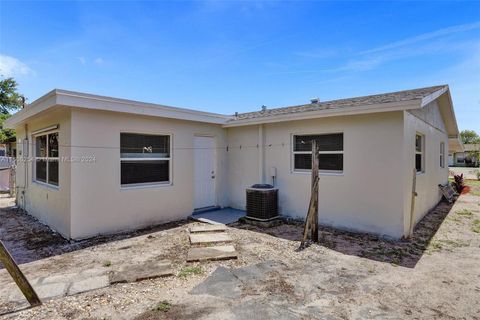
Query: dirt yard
435, 275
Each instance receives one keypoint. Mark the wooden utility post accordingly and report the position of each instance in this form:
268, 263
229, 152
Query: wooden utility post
412, 206
311, 222
18, 276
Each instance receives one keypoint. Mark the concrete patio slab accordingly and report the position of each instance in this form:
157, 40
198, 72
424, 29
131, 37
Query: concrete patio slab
204, 238
212, 253
223, 216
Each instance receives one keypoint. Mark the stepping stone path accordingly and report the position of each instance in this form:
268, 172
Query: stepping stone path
61, 285
208, 228
205, 235
212, 253
210, 237
139, 272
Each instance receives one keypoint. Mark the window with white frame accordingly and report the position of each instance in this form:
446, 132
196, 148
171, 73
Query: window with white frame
419, 152
46, 158
330, 154
442, 154
144, 158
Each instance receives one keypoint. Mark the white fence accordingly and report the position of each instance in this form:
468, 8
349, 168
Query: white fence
6, 176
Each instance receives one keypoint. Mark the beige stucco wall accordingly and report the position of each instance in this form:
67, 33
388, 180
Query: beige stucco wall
50, 205
367, 196
427, 121
99, 204
372, 194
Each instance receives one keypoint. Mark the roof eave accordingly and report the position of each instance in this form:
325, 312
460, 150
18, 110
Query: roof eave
455, 144
43, 103
87, 101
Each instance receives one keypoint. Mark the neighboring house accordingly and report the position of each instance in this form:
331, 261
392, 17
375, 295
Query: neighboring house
102, 165
464, 158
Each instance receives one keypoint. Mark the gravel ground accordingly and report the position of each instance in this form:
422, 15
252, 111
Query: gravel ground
435, 275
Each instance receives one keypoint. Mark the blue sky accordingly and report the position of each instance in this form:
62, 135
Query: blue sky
227, 56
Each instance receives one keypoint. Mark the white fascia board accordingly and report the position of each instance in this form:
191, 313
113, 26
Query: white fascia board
433, 96
451, 112
87, 101
346, 111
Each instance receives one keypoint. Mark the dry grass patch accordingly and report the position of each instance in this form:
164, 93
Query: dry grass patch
476, 226
464, 213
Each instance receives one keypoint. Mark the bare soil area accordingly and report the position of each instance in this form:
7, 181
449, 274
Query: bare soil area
434, 275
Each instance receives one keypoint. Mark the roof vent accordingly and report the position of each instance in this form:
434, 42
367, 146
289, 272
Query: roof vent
315, 100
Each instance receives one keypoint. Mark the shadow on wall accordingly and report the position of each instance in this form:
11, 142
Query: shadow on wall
29, 240
405, 253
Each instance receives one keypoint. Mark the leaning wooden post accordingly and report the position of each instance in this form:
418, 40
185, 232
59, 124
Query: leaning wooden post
311, 222
412, 206
18, 276
315, 182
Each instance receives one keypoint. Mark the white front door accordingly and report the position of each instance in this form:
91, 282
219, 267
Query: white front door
204, 172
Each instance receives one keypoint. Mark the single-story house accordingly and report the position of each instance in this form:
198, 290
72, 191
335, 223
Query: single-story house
465, 157
91, 164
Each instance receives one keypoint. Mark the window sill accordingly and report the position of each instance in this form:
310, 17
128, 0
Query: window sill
46, 185
145, 185
320, 173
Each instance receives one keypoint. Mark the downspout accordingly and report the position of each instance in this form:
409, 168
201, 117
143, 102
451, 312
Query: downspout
25, 148
261, 153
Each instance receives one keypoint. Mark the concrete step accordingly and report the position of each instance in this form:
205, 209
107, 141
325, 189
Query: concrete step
209, 237
212, 253
208, 228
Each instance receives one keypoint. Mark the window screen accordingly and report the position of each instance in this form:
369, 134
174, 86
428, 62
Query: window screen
330, 151
419, 152
46, 158
144, 158
442, 154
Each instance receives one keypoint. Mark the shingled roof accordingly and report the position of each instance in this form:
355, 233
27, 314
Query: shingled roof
392, 97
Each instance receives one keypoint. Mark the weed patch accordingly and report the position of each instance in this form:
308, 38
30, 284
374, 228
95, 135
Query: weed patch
476, 226
446, 244
187, 271
464, 213
163, 306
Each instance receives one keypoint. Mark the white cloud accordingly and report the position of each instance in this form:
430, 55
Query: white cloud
98, 61
437, 42
425, 36
12, 67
